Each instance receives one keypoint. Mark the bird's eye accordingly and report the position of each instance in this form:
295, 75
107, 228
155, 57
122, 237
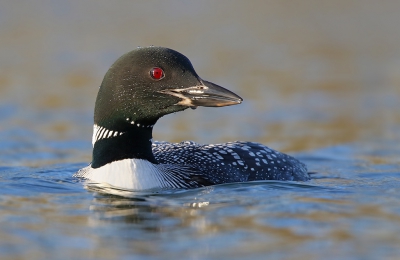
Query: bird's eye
157, 73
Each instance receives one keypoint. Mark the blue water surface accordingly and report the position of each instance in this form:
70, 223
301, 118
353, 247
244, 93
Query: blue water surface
349, 209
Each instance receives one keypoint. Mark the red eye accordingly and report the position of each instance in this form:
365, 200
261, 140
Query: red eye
157, 73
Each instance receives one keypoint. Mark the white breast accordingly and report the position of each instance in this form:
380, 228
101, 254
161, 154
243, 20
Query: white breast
131, 174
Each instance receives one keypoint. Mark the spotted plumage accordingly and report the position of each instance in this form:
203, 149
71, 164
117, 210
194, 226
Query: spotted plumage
232, 162
146, 84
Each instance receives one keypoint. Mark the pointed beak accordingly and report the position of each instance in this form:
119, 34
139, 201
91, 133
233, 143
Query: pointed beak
206, 94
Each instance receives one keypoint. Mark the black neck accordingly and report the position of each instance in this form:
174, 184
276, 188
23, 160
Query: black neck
135, 142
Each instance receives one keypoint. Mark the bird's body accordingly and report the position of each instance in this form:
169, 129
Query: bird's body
142, 86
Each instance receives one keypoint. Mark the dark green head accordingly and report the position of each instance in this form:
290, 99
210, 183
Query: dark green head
148, 83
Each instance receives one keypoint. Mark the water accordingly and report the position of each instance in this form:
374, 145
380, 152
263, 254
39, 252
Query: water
350, 209
319, 80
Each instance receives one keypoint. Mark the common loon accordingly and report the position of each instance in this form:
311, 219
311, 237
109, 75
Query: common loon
146, 84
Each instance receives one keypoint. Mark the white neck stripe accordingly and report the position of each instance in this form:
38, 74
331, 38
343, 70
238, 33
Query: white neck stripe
100, 132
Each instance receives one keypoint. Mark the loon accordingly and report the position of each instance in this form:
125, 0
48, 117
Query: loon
142, 86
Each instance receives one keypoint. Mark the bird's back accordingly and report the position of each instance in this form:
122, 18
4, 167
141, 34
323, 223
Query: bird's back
231, 162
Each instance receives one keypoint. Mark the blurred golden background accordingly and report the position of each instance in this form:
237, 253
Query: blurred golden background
312, 73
